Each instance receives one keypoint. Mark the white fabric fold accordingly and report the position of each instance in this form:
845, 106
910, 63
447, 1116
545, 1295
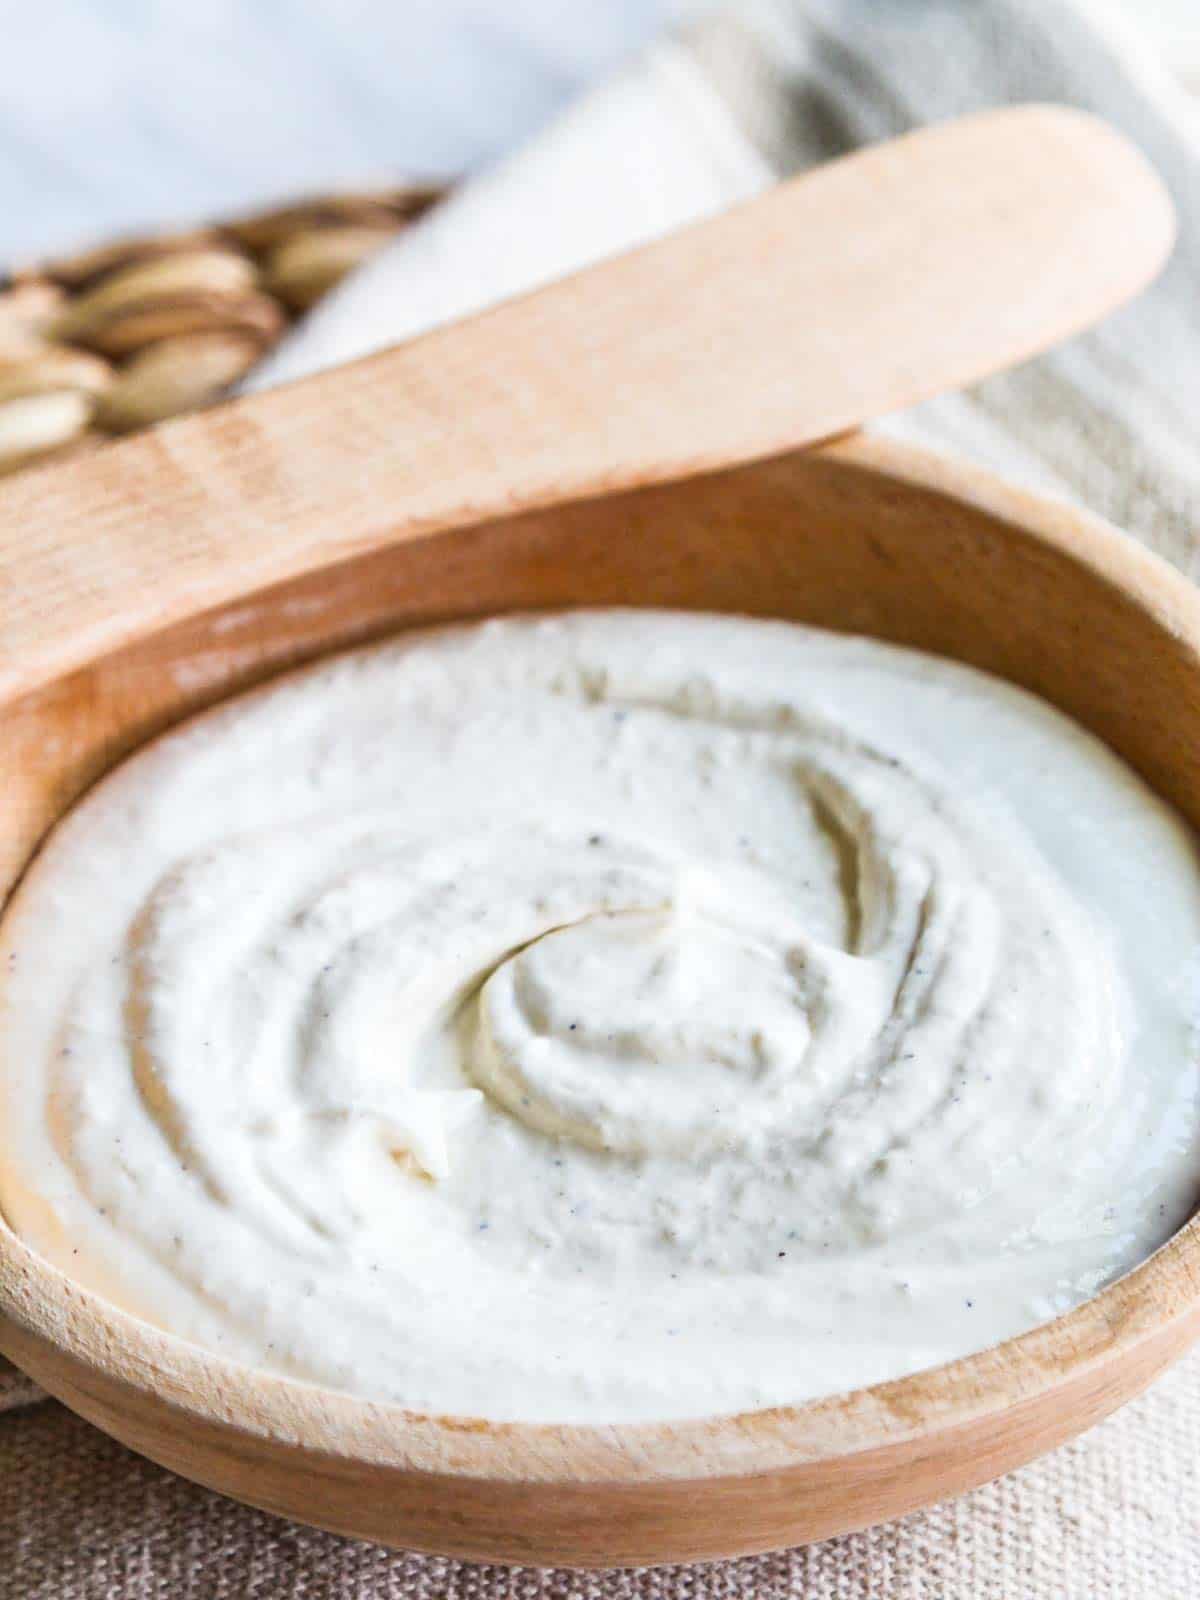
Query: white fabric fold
775, 86
651, 150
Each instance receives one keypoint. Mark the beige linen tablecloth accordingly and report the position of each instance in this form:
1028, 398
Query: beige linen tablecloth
1113, 420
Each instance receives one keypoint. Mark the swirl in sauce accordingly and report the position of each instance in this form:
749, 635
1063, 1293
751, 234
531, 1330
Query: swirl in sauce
602, 1016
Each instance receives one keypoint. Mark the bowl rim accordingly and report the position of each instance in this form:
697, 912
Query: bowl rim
47, 1320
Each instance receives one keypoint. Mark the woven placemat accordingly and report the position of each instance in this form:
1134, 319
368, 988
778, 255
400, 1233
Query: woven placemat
119, 337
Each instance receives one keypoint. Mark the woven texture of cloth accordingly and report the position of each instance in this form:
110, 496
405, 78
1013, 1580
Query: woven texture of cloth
1112, 421
1113, 1516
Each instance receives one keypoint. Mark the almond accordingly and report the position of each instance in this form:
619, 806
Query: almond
176, 375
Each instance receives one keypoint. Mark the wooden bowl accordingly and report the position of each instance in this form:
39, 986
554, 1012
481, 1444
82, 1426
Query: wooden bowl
864, 536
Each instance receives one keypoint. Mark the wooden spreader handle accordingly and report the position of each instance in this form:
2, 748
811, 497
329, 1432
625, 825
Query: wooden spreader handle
907, 269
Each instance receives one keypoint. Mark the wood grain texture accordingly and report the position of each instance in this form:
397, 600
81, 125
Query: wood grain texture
860, 535
894, 273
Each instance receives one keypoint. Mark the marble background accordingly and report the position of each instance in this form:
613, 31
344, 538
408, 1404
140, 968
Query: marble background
121, 114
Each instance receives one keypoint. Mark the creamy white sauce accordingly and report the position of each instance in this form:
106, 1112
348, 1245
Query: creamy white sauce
613, 1015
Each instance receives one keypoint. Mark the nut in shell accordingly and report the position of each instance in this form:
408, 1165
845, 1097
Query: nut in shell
47, 369
384, 209
36, 423
174, 376
197, 272
84, 269
130, 327
27, 310
307, 265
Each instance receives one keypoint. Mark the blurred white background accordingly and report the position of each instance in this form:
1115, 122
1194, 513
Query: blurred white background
122, 114
119, 114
